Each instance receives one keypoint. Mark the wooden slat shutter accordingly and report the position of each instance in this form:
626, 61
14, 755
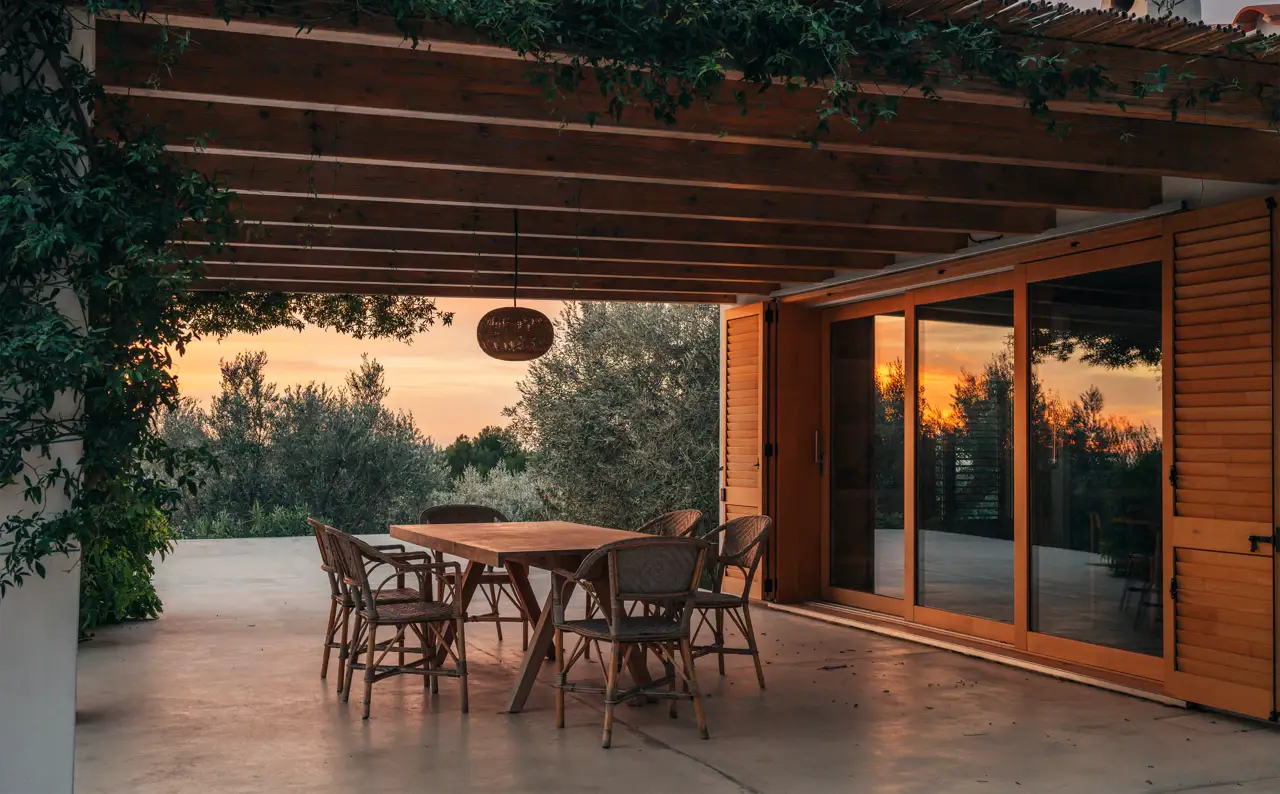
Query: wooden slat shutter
743, 417
1219, 643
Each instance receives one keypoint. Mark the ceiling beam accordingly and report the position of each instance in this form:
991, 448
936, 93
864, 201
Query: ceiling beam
324, 178
254, 256
1190, 74
599, 156
355, 288
464, 279
501, 91
313, 211
427, 239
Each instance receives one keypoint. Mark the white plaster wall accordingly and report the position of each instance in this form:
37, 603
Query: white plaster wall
39, 623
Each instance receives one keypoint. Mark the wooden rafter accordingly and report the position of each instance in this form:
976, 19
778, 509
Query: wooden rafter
500, 91
596, 156
349, 287
488, 264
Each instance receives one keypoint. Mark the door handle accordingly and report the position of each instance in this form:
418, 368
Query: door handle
1254, 540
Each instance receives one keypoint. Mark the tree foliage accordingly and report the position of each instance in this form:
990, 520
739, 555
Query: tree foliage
95, 301
520, 496
278, 456
492, 446
622, 416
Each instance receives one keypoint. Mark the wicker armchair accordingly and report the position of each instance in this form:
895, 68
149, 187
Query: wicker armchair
676, 524
656, 571
361, 565
495, 583
340, 603
741, 547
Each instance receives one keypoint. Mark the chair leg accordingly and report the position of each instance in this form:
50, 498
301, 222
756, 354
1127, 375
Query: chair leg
342, 650
669, 669
611, 692
460, 641
330, 629
425, 635
435, 654
719, 632
560, 678
692, 678
751, 643
370, 668
353, 657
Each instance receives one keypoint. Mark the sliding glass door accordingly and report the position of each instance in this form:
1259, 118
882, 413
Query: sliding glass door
964, 457
867, 393
1096, 446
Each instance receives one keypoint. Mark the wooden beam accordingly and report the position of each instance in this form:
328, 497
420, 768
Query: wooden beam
1191, 73
501, 91
503, 280
595, 155
349, 288
320, 178
429, 239
502, 265
549, 223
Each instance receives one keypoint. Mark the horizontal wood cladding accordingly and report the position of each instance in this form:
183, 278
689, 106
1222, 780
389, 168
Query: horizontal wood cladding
1222, 367
1224, 619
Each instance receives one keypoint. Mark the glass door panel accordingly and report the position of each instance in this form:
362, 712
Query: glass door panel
964, 459
868, 381
1096, 484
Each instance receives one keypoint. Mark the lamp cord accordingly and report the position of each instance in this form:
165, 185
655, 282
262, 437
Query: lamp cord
515, 276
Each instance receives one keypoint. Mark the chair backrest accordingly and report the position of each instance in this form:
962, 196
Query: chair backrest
651, 568
461, 514
741, 546
351, 557
326, 561
676, 524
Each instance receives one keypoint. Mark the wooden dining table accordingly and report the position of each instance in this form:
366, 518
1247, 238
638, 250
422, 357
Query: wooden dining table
518, 546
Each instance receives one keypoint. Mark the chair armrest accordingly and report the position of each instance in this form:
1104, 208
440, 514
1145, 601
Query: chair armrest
411, 555
390, 547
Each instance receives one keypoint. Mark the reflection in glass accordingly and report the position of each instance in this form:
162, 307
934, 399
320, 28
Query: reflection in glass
1096, 483
964, 465
868, 389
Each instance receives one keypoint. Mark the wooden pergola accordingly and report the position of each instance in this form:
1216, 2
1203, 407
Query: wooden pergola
366, 165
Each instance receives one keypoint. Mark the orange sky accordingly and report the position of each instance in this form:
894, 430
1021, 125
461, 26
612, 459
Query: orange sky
442, 378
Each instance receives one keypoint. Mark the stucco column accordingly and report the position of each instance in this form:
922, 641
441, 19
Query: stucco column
39, 622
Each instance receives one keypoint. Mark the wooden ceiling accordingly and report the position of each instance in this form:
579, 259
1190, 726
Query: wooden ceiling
366, 166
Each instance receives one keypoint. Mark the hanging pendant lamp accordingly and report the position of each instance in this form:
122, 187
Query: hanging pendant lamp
515, 333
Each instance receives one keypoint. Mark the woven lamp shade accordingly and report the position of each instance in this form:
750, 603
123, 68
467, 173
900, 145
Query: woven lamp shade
515, 333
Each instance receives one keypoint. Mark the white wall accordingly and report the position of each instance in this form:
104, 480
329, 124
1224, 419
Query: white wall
39, 626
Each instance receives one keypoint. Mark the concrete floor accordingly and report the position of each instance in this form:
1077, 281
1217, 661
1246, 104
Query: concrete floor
222, 696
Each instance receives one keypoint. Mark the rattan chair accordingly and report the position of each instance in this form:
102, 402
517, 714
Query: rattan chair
495, 583
676, 524
340, 603
429, 621
656, 571
741, 544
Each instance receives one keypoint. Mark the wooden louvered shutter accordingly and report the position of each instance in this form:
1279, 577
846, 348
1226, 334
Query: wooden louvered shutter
1219, 644
743, 415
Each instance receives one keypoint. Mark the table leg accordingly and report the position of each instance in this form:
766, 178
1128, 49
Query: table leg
636, 660
518, 573
539, 645
466, 589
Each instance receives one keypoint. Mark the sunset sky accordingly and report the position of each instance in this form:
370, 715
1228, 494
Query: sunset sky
442, 378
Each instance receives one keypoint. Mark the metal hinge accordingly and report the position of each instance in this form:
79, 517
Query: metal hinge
768, 450
768, 314
1173, 588
724, 494
1254, 540
1173, 475
768, 585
